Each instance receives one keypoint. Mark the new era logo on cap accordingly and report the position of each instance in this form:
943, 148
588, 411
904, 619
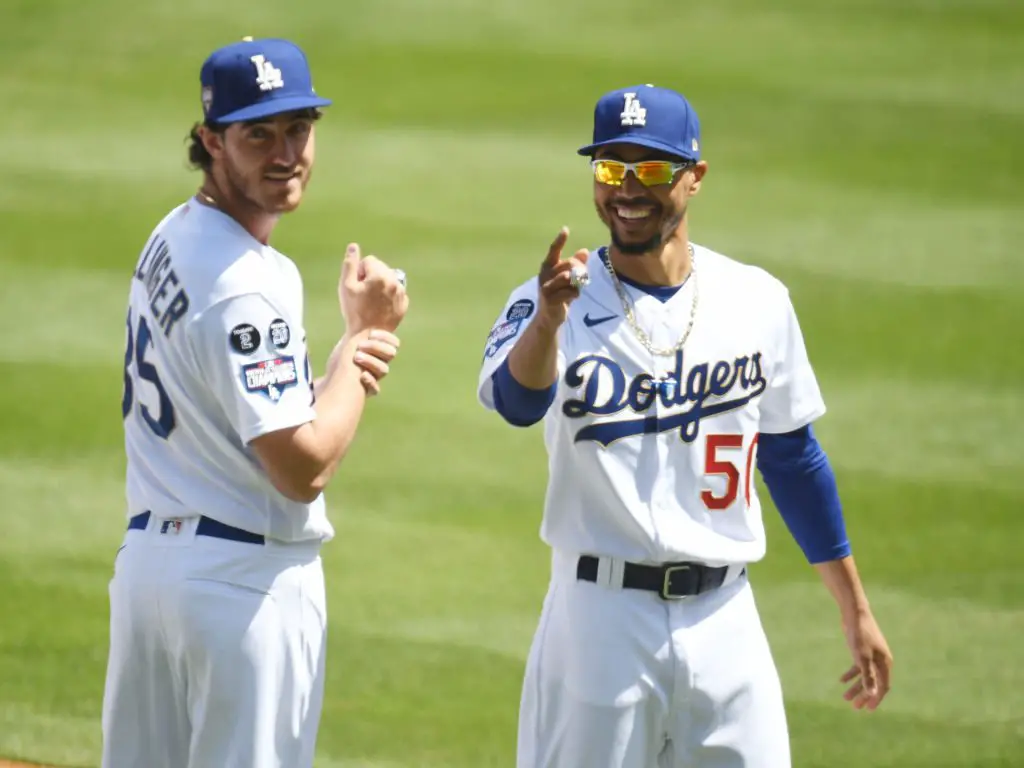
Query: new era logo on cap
648, 116
252, 79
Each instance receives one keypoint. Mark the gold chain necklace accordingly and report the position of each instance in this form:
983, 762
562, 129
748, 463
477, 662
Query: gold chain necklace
631, 318
207, 199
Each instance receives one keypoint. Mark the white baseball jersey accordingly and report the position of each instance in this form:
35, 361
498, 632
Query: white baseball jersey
216, 356
651, 458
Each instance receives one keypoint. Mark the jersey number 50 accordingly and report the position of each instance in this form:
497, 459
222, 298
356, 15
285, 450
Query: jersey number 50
714, 465
138, 342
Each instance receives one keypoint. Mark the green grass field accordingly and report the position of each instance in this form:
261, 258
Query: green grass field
867, 152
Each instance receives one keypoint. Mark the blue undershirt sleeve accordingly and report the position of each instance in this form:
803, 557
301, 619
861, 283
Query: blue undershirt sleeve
519, 405
801, 482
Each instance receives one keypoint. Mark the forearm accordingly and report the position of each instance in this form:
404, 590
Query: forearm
534, 359
843, 582
340, 400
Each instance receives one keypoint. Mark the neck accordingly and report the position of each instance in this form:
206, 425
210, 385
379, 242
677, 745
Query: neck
254, 220
668, 264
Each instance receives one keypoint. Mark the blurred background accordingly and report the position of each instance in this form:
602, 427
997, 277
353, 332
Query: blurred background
867, 152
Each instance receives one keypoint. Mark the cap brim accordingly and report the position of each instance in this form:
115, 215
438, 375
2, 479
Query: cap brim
640, 141
273, 107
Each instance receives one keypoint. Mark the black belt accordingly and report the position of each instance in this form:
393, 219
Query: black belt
670, 581
206, 526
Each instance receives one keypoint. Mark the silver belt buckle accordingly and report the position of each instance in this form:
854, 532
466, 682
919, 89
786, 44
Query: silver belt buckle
666, 584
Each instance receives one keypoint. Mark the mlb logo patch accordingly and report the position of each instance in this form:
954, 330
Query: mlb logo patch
172, 526
270, 377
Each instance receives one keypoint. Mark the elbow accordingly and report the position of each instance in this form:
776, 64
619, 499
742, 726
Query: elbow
301, 482
297, 465
300, 490
520, 421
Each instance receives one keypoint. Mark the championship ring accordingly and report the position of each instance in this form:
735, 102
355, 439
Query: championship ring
579, 277
400, 274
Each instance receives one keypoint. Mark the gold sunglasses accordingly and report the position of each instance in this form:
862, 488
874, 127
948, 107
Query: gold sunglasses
650, 173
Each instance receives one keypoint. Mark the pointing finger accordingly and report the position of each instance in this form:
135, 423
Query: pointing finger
555, 251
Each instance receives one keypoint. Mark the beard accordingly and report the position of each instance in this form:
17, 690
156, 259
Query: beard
249, 192
640, 247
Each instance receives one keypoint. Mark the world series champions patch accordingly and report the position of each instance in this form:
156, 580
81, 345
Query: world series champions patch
500, 334
270, 377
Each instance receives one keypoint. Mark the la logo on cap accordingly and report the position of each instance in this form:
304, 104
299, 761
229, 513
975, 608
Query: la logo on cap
633, 113
268, 77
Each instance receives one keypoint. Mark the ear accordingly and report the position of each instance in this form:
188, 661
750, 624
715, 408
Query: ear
212, 140
698, 172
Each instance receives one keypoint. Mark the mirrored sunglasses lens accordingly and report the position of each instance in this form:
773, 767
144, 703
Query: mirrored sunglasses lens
654, 172
609, 172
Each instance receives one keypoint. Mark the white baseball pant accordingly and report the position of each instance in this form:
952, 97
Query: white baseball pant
216, 652
619, 678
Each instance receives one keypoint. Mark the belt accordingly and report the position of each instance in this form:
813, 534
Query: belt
206, 526
671, 581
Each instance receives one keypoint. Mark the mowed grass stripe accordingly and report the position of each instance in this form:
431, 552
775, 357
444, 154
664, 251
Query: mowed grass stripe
911, 415
837, 162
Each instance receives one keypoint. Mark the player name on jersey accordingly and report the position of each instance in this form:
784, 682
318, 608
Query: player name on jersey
156, 273
605, 391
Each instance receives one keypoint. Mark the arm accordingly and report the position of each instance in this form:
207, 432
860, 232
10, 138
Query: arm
871, 673
803, 487
520, 383
301, 460
300, 444
533, 361
519, 405
802, 484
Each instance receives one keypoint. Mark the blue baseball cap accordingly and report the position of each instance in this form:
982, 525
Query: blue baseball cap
648, 116
253, 79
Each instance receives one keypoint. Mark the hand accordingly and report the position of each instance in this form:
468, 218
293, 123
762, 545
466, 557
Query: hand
872, 662
373, 355
556, 292
369, 294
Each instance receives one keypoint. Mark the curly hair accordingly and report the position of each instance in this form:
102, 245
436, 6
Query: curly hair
199, 158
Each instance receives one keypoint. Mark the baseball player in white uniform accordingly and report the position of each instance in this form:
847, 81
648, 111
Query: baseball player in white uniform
664, 373
218, 613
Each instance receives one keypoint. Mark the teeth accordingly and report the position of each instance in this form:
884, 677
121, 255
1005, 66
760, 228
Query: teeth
633, 213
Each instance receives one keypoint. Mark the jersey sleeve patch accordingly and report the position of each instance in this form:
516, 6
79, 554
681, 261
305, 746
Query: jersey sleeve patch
244, 338
520, 310
501, 334
270, 377
280, 334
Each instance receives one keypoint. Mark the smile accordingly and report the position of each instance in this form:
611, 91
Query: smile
281, 177
633, 213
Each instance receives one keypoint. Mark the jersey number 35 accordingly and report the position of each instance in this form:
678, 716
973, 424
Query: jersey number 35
138, 341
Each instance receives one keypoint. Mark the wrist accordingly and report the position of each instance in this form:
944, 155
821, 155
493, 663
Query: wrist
353, 337
548, 326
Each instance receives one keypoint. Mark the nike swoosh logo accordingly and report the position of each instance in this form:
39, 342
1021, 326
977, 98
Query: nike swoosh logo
590, 322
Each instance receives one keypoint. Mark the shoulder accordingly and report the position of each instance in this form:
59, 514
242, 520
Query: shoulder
216, 260
520, 303
753, 283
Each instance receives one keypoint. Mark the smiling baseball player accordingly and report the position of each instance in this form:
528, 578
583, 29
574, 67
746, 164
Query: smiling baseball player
217, 606
664, 372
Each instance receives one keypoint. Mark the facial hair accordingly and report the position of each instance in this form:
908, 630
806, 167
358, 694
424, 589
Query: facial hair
652, 243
